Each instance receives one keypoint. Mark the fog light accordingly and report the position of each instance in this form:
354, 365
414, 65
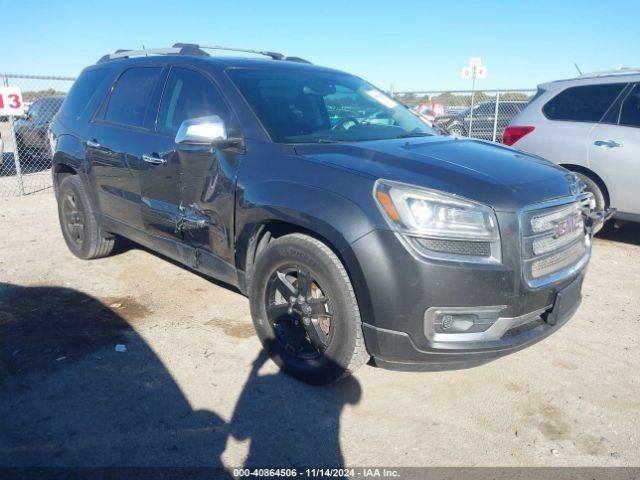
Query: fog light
445, 323
458, 323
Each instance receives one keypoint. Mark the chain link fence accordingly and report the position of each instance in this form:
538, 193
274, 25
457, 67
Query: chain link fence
26, 150
479, 114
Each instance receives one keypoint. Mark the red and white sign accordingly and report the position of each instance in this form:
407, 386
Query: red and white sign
11, 103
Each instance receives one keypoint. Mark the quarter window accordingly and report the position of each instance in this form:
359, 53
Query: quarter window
630, 111
188, 94
583, 104
130, 100
83, 91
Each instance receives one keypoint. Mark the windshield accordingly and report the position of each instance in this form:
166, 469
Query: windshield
313, 106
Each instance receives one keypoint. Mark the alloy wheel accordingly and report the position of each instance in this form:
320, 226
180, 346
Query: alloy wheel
300, 312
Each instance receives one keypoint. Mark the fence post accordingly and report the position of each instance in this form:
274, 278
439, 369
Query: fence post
495, 116
16, 154
473, 94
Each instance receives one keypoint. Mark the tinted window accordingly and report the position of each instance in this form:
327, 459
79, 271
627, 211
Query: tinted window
583, 104
308, 105
188, 94
131, 97
630, 111
82, 91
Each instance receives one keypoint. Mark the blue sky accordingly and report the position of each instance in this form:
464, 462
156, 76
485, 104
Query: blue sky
414, 45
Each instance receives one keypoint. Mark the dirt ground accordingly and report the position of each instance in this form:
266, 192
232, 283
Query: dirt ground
193, 389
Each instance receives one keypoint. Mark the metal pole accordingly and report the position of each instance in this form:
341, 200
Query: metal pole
473, 93
16, 155
495, 116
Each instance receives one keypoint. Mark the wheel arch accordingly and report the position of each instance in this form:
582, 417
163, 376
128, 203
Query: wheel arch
68, 159
272, 229
324, 215
592, 175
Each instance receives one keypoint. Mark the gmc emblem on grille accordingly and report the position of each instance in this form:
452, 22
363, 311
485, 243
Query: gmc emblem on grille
566, 225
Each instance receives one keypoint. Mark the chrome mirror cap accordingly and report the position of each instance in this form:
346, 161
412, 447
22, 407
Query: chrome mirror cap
202, 131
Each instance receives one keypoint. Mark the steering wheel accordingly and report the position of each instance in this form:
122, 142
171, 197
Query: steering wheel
342, 124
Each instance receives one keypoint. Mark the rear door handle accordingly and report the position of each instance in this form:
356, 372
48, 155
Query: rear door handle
153, 159
606, 143
93, 143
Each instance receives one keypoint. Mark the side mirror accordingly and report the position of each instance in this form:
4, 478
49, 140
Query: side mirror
202, 131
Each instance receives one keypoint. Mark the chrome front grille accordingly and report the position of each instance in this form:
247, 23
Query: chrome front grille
554, 240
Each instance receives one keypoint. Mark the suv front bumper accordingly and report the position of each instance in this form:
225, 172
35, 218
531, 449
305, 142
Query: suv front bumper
404, 293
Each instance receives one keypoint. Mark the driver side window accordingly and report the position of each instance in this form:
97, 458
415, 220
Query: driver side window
188, 94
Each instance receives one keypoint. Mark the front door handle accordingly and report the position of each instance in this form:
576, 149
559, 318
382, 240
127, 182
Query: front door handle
93, 143
154, 160
606, 143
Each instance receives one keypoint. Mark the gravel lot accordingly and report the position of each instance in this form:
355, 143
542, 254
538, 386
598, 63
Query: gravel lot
193, 389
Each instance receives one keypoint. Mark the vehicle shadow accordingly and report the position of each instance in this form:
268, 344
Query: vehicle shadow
627, 233
69, 399
290, 423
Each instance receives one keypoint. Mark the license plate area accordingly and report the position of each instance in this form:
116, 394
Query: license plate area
567, 301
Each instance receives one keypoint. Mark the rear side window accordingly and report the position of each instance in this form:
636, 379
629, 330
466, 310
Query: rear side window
82, 92
583, 104
130, 101
630, 111
188, 94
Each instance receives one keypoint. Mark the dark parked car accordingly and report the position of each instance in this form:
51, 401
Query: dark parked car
357, 234
483, 121
32, 137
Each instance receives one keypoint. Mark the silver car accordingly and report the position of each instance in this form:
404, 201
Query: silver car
591, 126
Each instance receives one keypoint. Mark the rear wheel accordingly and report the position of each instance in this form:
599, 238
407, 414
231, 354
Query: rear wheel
80, 229
305, 311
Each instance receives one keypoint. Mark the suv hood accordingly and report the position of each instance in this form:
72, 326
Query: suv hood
499, 176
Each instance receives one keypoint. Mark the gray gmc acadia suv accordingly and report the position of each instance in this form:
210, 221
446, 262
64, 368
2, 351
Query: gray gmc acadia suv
353, 238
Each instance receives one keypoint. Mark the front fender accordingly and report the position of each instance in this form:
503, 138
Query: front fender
336, 219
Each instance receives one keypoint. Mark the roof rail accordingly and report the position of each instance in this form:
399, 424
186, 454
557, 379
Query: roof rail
274, 55
193, 50
615, 71
177, 49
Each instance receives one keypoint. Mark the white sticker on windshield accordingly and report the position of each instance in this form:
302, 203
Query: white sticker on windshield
382, 98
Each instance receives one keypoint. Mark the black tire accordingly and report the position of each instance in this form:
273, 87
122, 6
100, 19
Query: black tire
80, 229
344, 350
594, 188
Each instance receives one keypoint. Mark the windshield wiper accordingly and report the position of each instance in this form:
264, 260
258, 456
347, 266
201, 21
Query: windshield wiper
415, 134
326, 140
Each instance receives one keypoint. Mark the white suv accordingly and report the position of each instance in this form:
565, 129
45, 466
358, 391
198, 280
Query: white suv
591, 126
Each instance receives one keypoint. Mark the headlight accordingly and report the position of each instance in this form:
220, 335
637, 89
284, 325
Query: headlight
440, 225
